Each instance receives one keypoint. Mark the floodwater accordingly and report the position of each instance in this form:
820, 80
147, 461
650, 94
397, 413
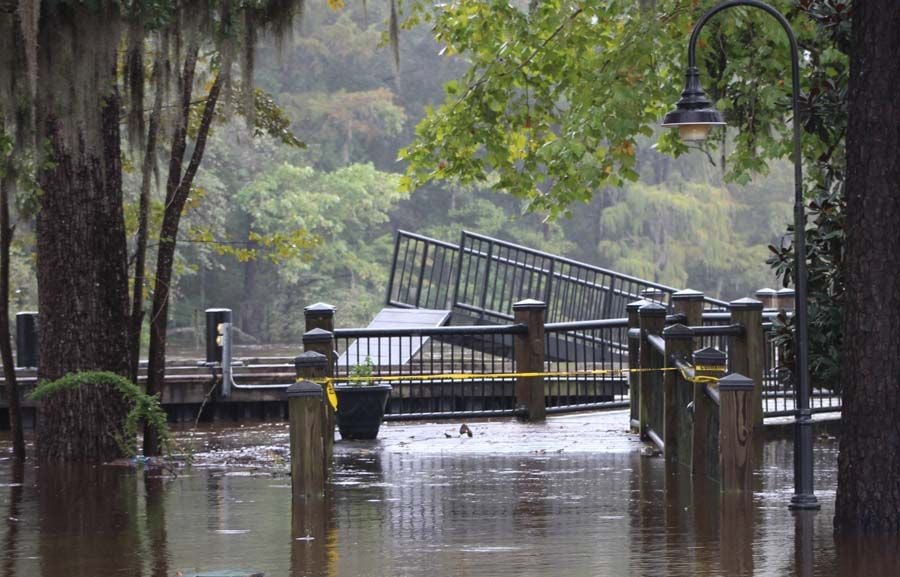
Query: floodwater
425, 501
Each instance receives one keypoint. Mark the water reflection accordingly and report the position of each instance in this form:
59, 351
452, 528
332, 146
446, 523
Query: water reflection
14, 513
87, 519
422, 515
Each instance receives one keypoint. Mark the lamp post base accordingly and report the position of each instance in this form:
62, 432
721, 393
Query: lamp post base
804, 502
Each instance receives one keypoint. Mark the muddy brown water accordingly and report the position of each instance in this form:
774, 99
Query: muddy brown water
399, 509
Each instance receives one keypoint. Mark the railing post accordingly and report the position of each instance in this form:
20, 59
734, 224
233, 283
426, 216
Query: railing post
735, 432
529, 351
319, 316
307, 416
767, 296
785, 299
322, 342
708, 362
679, 393
748, 350
634, 363
313, 366
652, 320
690, 304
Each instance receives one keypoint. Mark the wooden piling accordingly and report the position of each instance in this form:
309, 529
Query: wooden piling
767, 296
652, 320
748, 350
736, 432
678, 394
305, 400
529, 351
690, 304
314, 365
708, 362
634, 362
321, 316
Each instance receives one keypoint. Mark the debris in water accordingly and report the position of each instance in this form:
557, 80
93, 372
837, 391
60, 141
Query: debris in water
465, 430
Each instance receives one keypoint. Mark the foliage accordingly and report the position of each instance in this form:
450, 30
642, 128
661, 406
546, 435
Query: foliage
145, 408
363, 371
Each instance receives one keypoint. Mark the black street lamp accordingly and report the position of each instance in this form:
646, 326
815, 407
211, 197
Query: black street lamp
694, 115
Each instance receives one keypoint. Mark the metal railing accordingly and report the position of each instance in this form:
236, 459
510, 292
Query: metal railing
591, 346
424, 355
482, 276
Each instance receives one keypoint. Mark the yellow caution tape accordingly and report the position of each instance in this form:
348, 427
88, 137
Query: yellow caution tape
332, 398
331, 395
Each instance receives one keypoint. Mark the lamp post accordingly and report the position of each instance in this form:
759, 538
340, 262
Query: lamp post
694, 115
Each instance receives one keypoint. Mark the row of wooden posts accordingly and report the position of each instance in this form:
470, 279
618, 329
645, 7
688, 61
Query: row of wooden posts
312, 420
706, 426
681, 398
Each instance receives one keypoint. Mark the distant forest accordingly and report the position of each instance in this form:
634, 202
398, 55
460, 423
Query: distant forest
271, 227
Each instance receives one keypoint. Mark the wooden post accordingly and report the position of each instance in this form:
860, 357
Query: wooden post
690, 304
319, 316
529, 351
678, 394
634, 362
708, 362
305, 402
785, 299
748, 351
27, 339
653, 319
768, 297
322, 342
736, 432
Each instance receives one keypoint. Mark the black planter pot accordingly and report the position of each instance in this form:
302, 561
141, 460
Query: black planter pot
361, 409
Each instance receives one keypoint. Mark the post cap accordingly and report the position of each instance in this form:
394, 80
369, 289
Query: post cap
735, 382
785, 292
635, 305
218, 310
310, 359
317, 336
529, 305
765, 292
687, 295
304, 389
29, 313
677, 331
745, 304
652, 309
323, 309
709, 356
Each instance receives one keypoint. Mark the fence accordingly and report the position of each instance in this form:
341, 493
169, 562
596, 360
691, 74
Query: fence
477, 370
684, 405
481, 278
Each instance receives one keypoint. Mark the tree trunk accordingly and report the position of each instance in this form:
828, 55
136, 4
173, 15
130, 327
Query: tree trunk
9, 367
177, 192
868, 497
140, 256
82, 264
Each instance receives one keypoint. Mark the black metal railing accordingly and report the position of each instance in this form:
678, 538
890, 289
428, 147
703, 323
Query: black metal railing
481, 277
423, 355
591, 369
779, 394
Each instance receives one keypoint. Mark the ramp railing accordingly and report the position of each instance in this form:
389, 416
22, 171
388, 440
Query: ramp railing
481, 277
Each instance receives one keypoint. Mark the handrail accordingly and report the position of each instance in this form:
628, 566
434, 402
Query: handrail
660, 444
428, 239
657, 342
585, 325
712, 393
514, 329
718, 331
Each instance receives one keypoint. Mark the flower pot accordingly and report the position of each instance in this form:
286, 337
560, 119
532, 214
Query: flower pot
361, 409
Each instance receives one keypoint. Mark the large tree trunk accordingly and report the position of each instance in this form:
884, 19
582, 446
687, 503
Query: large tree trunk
868, 498
81, 249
